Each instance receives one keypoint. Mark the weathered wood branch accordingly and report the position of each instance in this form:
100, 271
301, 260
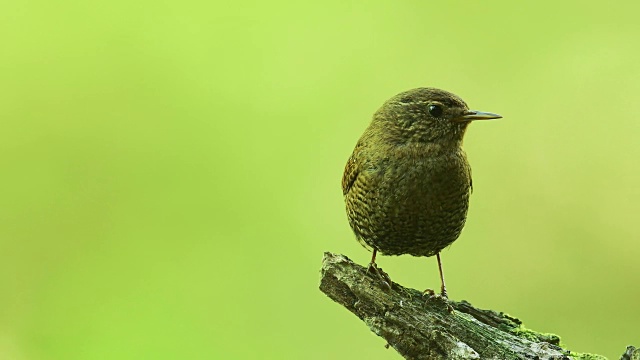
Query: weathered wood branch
430, 327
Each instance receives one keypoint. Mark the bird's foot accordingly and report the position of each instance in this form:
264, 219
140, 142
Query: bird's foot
442, 298
380, 274
431, 293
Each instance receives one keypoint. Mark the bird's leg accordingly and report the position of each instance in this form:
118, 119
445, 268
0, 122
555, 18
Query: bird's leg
443, 289
373, 268
372, 264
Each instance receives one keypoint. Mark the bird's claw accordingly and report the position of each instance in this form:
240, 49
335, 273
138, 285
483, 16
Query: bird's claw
429, 292
442, 297
381, 275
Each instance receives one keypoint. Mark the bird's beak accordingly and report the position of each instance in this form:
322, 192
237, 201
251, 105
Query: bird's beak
471, 115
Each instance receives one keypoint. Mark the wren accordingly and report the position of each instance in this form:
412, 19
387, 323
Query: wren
407, 184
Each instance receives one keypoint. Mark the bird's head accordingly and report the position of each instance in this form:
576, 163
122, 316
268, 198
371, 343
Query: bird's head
426, 115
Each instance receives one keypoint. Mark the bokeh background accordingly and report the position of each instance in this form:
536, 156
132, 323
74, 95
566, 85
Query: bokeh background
170, 170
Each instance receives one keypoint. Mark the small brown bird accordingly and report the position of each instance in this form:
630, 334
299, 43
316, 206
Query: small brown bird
407, 184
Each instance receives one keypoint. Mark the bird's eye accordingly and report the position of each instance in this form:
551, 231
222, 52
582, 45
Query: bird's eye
435, 110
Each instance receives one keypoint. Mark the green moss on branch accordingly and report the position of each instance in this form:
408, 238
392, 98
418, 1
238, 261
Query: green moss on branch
431, 327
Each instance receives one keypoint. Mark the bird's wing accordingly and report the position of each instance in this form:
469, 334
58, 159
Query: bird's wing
351, 170
470, 180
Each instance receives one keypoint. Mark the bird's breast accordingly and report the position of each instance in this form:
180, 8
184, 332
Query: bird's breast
416, 176
410, 200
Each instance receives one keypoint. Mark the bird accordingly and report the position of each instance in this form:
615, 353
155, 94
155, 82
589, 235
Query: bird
407, 183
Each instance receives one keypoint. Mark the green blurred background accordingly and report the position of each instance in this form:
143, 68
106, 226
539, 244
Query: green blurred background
171, 170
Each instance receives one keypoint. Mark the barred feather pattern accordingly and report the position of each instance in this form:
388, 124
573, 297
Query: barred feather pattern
407, 198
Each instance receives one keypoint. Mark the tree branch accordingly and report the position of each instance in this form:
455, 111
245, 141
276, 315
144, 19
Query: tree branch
430, 327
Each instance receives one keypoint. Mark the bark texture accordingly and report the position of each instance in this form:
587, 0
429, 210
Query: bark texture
430, 327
